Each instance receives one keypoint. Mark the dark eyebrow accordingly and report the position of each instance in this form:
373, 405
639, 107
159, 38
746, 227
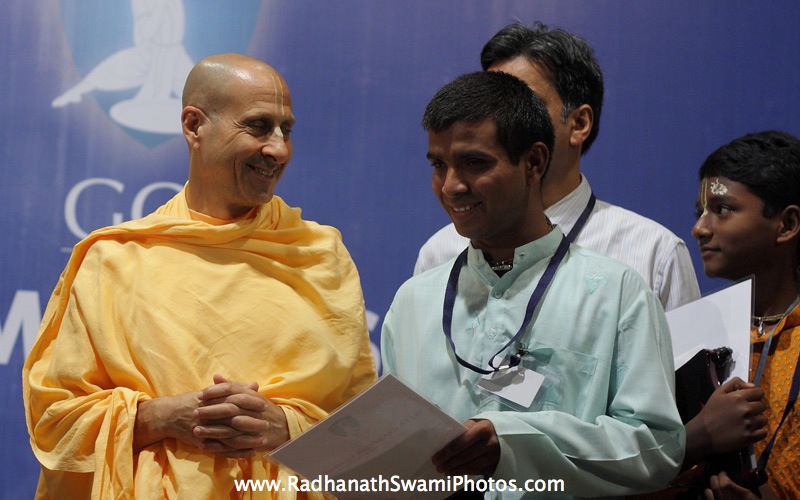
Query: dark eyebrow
720, 198
472, 153
461, 155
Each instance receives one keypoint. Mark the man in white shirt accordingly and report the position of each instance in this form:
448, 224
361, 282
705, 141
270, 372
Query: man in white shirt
561, 68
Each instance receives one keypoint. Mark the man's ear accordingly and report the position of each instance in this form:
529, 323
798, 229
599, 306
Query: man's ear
536, 162
790, 224
191, 120
580, 121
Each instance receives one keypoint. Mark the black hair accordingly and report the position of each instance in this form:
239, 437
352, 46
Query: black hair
767, 163
520, 117
567, 60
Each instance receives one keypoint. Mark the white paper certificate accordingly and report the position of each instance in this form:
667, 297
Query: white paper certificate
721, 319
386, 431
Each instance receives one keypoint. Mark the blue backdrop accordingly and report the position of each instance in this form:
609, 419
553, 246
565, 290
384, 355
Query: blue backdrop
682, 78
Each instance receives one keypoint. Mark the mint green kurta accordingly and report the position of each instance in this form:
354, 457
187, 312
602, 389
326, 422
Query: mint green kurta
605, 419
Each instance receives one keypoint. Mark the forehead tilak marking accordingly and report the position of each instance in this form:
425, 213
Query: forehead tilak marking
278, 94
704, 196
718, 188
278, 103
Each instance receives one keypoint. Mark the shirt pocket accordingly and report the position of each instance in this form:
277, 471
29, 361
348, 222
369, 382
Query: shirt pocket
567, 378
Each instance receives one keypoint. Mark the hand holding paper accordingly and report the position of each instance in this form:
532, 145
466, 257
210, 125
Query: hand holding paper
476, 452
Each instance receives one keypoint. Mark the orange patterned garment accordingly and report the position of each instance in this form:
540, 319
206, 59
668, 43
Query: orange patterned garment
784, 461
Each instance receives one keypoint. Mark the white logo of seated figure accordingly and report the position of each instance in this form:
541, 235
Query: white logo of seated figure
157, 63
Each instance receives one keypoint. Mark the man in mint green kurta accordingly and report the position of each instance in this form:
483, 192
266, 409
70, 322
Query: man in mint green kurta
604, 419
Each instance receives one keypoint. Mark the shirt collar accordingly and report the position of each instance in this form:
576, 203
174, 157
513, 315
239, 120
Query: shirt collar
565, 212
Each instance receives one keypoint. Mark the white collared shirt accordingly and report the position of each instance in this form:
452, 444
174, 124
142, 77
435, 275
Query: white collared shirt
660, 257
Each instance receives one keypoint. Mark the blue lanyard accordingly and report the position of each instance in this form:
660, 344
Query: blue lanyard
450, 299
452, 286
762, 361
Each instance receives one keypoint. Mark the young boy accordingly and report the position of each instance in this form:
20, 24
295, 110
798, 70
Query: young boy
749, 224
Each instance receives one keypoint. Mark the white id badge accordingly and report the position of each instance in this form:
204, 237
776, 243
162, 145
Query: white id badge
515, 384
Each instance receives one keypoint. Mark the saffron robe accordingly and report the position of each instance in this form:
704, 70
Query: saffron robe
155, 307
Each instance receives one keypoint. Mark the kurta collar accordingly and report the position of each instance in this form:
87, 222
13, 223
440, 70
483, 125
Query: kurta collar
525, 257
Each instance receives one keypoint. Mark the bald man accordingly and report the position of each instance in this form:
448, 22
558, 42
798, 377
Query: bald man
178, 349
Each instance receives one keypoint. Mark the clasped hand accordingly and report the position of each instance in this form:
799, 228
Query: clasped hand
228, 418
235, 420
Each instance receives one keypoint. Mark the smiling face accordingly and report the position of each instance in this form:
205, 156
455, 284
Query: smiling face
240, 143
734, 236
489, 199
